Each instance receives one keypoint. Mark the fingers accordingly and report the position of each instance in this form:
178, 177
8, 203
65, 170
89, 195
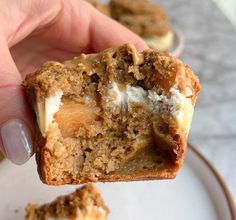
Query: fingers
15, 118
81, 28
74, 26
20, 18
9, 74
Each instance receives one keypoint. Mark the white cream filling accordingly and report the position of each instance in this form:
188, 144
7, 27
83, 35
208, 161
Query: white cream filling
161, 43
46, 109
150, 99
178, 104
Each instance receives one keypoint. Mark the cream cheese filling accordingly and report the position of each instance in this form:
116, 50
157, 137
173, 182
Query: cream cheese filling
46, 109
179, 105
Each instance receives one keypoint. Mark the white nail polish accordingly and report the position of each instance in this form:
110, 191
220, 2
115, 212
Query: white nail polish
17, 141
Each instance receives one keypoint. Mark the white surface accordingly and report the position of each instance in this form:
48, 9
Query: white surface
195, 194
229, 9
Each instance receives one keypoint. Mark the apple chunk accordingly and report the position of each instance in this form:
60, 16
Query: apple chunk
73, 115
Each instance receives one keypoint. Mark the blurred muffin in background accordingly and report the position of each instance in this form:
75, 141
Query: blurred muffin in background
146, 19
104, 8
143, 17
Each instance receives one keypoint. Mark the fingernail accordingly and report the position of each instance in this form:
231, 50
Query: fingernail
16, 140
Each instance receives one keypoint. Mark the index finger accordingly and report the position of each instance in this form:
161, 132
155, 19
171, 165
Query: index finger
79, 27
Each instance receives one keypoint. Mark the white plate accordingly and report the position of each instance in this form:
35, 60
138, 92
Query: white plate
178, 44
197, 193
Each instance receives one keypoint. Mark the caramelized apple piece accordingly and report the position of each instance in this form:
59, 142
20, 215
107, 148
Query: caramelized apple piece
73, 115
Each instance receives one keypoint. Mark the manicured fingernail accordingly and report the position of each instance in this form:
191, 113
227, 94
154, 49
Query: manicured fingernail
16, 140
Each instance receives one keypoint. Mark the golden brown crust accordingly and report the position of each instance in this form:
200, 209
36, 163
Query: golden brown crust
155, 71
77, 204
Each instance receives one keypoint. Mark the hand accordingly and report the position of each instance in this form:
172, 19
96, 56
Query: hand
32, 32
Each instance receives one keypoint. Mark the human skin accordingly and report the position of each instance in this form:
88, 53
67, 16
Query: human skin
33, 32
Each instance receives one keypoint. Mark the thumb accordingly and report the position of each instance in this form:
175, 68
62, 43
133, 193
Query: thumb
15, 115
